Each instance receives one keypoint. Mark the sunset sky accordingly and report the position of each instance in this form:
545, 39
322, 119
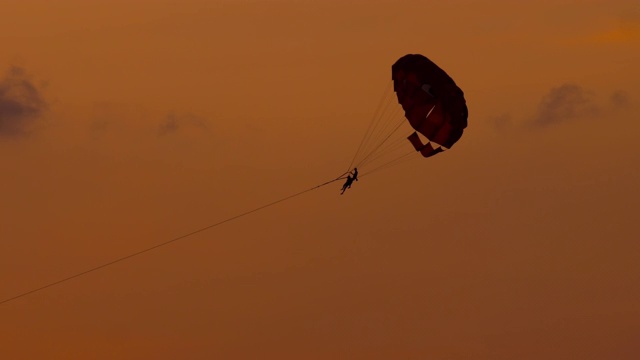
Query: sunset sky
124, 124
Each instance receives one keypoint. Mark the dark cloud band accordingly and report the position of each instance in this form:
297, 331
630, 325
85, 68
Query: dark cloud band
21, 103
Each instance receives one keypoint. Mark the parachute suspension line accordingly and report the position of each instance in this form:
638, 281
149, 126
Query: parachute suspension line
394, 162
377, 127
382, 135
383, 141
374, 134
140, 252
389, 148
373, 120
385, 146
386, 124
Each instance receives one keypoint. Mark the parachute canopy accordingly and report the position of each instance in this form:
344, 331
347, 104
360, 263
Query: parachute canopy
432, 102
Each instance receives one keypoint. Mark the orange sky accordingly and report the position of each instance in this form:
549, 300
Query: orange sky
150, 119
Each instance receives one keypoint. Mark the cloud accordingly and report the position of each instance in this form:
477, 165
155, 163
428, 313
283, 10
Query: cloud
567, 102
620, 99
170, 125
21, 103
502, 122
174, 123
108, 118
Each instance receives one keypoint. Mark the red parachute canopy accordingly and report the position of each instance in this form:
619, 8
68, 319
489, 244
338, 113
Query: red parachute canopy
432, 102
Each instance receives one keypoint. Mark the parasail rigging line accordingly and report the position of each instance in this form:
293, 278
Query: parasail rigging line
381, 143
140, 252
377, 115
397, 161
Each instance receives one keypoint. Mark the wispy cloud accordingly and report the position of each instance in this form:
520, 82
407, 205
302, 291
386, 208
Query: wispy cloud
111, 118
174, 123
565, 103
501, 122
21, 103
620, 99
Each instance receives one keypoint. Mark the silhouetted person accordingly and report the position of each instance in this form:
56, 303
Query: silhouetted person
355, 174
347, 184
